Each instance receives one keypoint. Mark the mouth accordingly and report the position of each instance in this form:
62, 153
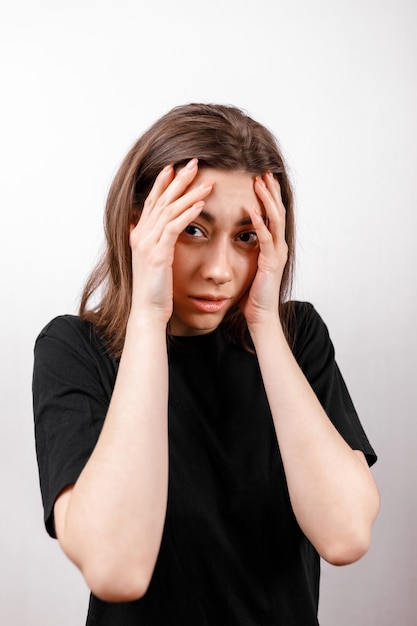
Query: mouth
210, 304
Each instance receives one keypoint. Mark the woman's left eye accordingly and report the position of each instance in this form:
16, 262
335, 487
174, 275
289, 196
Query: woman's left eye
248, 237
193, 231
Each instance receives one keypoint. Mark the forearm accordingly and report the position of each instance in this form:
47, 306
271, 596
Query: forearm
332, 491
115, 515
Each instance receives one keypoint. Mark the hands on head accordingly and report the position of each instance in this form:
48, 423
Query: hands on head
204, 228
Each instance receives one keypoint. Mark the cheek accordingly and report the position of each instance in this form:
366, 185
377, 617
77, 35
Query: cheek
182, 263
248, 270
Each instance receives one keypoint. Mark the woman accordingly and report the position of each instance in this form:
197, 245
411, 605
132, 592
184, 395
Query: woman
197, 447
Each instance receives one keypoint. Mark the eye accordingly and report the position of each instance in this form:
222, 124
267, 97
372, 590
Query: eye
249, 237
193, 231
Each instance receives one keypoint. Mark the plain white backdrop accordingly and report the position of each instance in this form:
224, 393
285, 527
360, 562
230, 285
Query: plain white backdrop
336, 82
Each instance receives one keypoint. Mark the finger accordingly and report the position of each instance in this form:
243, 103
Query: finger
152, 227
162, 192
261, 226
162, 181
177, 185
274, 188
185, 201
176, 226
273, 247
273, 205
173, 199
152, 234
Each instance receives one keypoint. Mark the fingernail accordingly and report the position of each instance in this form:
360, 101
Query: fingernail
206, 184
191, 164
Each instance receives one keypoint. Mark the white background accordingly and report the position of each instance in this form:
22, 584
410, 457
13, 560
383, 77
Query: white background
336, 82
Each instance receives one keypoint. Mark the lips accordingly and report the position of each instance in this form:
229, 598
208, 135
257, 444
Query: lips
210, 304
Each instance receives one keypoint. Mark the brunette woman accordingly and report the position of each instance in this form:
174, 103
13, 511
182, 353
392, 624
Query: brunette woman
198, 449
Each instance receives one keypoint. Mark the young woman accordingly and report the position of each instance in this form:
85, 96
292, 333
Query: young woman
198, 449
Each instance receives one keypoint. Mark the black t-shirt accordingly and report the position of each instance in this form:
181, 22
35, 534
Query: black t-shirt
232, 552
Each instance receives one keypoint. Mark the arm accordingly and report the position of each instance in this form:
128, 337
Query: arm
110, 522
332, 491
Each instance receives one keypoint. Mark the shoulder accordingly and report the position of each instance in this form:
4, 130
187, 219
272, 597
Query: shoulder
309, 339
72, 330
69, 337
66, 327
305, 324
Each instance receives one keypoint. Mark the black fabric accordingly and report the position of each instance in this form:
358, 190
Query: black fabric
232, 552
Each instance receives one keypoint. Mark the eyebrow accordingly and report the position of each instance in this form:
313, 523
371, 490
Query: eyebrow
246, 221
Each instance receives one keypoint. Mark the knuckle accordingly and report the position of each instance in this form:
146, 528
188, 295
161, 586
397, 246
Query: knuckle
171, 228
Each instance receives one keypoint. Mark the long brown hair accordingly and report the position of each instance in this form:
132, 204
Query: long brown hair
221, 137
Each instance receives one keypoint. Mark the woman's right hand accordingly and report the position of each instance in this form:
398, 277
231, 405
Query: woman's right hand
167, 211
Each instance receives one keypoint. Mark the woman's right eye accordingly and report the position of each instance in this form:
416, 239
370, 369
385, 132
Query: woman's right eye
193, 231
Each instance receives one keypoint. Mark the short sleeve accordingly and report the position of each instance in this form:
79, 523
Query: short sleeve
314, 352
73, 379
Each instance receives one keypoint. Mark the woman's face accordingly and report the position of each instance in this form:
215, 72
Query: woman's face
216, 257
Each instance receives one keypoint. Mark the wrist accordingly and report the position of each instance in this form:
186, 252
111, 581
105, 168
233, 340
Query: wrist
266, 330
144, 322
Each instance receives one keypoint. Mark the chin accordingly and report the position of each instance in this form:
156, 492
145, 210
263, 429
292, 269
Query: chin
190, 327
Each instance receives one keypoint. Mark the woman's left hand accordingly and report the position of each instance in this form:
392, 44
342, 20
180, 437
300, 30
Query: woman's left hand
260, 305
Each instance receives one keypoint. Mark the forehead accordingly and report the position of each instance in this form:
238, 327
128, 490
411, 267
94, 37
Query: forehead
232, 190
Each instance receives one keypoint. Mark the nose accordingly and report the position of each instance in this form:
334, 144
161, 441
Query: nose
216, 265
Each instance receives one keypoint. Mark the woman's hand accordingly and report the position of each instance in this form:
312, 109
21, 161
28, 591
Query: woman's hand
261, 303
332, 492
167, 211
